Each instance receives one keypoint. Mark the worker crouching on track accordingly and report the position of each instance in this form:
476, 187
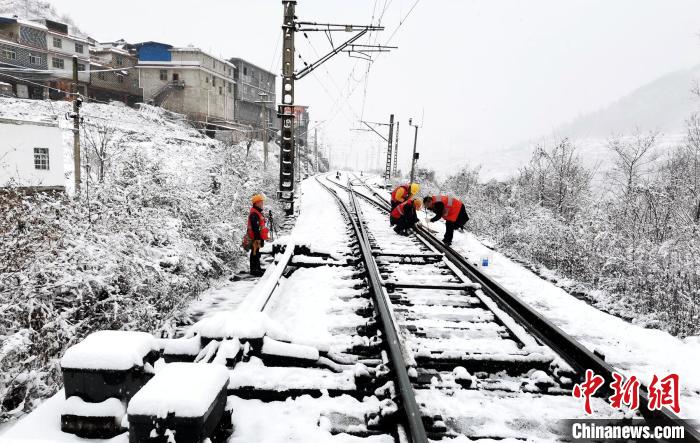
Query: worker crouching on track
404, 216
403, 192
257, 233
449, 208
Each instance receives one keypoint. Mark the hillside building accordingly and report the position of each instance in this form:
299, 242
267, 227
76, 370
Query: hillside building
31, 155
62, 47
40, 53
23, 47
113, 73
188, 81
255, 95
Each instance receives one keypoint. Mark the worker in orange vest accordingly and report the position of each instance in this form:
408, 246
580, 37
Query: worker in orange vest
449, 208
403, 192
257, 233
404, 215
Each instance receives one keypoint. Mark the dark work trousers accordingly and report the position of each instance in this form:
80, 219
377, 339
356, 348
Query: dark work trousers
462, 219
407, 221
255, 267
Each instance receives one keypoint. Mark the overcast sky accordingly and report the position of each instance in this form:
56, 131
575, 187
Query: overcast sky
485, 74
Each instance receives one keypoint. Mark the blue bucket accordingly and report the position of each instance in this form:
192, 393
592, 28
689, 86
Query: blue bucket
485, 261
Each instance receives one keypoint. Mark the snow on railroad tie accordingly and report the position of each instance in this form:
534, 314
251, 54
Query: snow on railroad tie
495, 415
630, 348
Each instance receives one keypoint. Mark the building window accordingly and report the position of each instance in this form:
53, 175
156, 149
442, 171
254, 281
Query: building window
34, 59
8, 54
245, 70
176, 76
207, 79
81, 67
163, 74
101, 75
41, 158
229, 87
119, 61
79, 48
57, 43
213, 81
221, 90
57, 63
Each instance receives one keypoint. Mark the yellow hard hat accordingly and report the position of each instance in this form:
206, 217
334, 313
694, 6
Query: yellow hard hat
258, 198
417, 203
415, 188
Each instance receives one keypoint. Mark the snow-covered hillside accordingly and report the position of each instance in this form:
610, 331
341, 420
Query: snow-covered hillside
131, 252
661, 106
31, 9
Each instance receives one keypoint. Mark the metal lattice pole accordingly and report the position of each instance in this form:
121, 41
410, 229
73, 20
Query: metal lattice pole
286, 189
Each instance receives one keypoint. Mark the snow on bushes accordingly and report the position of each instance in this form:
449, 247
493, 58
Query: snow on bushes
137, 245
633, 239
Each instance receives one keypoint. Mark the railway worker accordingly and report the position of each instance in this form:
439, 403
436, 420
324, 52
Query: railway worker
404, 216
403, 192
449, 208
257, 233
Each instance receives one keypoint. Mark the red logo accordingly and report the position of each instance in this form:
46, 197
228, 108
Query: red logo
586, 389
667, 395
663, 392
626, 393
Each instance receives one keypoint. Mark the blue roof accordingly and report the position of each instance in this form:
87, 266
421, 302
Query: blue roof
154, 51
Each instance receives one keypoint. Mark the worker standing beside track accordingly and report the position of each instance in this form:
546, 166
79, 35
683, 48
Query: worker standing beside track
403, 192
404, 215
449, 208
257, 233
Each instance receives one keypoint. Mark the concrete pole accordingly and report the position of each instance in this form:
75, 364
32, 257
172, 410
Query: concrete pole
413, 158
76, 128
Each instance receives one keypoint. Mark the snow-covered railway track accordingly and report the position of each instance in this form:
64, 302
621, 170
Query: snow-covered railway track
474, 349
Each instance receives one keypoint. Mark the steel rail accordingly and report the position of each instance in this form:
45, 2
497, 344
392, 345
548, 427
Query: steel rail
574, 353
405, 390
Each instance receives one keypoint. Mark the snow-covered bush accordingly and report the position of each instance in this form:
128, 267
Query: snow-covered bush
639, 242
148, 231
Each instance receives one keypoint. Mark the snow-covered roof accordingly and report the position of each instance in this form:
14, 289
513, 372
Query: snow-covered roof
31, 24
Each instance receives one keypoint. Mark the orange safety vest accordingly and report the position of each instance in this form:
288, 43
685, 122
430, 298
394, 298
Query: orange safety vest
452, 207
399, 210
406, 189
264, 232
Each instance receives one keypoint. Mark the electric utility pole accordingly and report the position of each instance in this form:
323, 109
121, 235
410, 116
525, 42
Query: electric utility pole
316, 150
396, 149
387, 169
415, 156
285, 112
264, 125
77, 101
389, 140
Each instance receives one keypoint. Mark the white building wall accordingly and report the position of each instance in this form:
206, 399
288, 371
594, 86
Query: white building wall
199, 96
17, 142
66, 53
